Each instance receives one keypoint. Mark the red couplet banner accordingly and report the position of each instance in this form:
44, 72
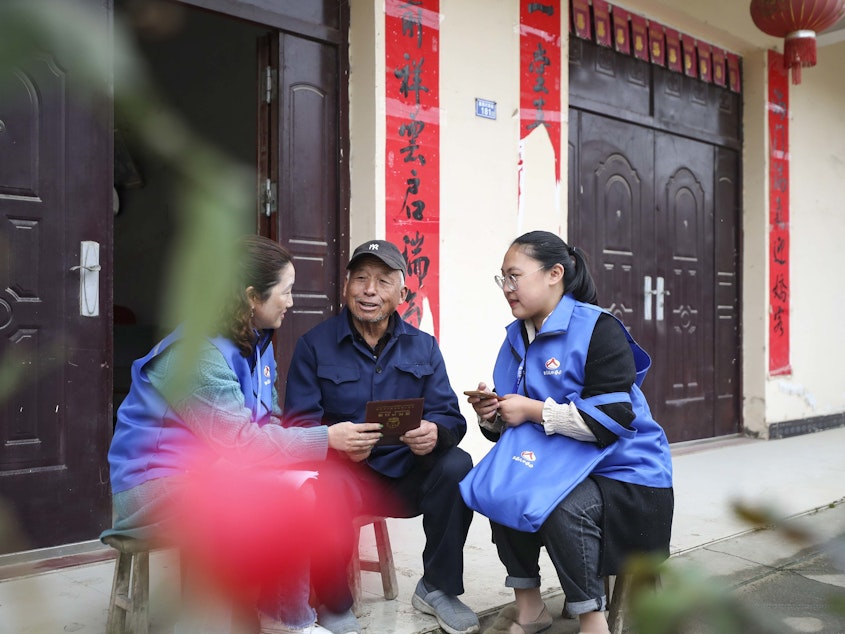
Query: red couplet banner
779, 301
412, 146
539, 70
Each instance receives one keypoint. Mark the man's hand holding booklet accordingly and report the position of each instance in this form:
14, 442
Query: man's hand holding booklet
397, 417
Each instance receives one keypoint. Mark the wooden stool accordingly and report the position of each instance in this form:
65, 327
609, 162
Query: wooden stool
129, 606
616, 589
618, 592
384, 563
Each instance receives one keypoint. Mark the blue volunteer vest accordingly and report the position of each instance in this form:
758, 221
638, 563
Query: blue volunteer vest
150, 440
553, 366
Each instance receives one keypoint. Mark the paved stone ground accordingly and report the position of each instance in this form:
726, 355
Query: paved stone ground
802, 592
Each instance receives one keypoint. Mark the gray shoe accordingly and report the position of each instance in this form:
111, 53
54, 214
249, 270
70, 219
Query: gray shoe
343, 623
452, 615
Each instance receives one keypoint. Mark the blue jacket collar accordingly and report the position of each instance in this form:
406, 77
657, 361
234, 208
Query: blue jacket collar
558, 321
561, 316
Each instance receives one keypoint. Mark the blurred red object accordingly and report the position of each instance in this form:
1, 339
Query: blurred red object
245, 528
242, 524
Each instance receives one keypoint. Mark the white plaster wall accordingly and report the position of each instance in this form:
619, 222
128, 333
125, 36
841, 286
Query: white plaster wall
366, 121
482, 210
754, 300
478, 188
817, 233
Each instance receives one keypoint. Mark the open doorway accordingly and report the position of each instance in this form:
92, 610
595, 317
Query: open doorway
205, 67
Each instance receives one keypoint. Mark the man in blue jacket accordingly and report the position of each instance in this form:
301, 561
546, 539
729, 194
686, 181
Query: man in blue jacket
368, 353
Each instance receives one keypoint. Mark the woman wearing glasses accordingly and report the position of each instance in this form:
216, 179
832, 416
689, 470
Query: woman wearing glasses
572, 368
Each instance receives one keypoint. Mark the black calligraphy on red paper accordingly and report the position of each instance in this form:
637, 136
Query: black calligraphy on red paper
540, 68
412, 178
779, 296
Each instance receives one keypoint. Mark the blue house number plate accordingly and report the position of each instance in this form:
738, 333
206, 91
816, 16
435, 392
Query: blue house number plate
485, 108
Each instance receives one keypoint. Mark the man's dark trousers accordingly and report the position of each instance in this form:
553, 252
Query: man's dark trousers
429, 489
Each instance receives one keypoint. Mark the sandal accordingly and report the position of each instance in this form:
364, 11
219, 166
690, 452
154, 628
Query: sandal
508, 617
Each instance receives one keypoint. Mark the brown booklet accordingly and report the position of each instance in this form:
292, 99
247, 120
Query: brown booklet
398, 416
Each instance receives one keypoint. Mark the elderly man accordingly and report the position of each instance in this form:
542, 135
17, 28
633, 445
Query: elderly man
368, 353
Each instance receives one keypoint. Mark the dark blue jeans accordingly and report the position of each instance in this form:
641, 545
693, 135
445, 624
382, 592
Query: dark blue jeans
572, 537
430, 489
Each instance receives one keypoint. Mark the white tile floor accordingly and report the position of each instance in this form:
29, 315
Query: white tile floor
794, 475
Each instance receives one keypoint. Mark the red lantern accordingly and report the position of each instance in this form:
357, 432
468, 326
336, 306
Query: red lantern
798, 21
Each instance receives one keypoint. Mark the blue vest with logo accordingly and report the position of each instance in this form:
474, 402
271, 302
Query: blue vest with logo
150, 441
553, 367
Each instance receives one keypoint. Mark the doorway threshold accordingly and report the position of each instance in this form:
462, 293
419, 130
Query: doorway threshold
33, 562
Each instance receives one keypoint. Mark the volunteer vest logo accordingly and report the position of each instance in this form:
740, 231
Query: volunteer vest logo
527, 458
552, 367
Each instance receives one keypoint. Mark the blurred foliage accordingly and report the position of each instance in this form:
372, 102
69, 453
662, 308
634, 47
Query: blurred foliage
687, 601
214, 192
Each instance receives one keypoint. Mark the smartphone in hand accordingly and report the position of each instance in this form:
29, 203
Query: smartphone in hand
482, 394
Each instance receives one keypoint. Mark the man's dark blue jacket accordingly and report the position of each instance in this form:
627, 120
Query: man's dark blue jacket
332, 375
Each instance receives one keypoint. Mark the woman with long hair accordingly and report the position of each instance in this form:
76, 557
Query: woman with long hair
203, 462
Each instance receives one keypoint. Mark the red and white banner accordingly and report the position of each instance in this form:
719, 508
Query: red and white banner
705, 63
651, 41
720, 77
656, 43
674, 59
733, 72
539, 70
779, 300
412, 145
690, 58
601, 16
621, 30
639, 36
580, 16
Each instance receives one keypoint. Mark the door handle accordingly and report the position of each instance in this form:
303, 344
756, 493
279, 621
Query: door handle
659, 292
660, 298
89, 278
647, 293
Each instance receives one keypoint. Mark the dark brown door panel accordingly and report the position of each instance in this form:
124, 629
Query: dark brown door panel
55, 194
654, 201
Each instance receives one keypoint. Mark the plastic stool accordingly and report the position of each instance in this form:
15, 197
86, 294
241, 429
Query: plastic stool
384, 563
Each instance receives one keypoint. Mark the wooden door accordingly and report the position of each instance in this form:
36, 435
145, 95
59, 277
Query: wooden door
682, 289
654, 200
644, 211
614, 201
55, 202
304, 163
